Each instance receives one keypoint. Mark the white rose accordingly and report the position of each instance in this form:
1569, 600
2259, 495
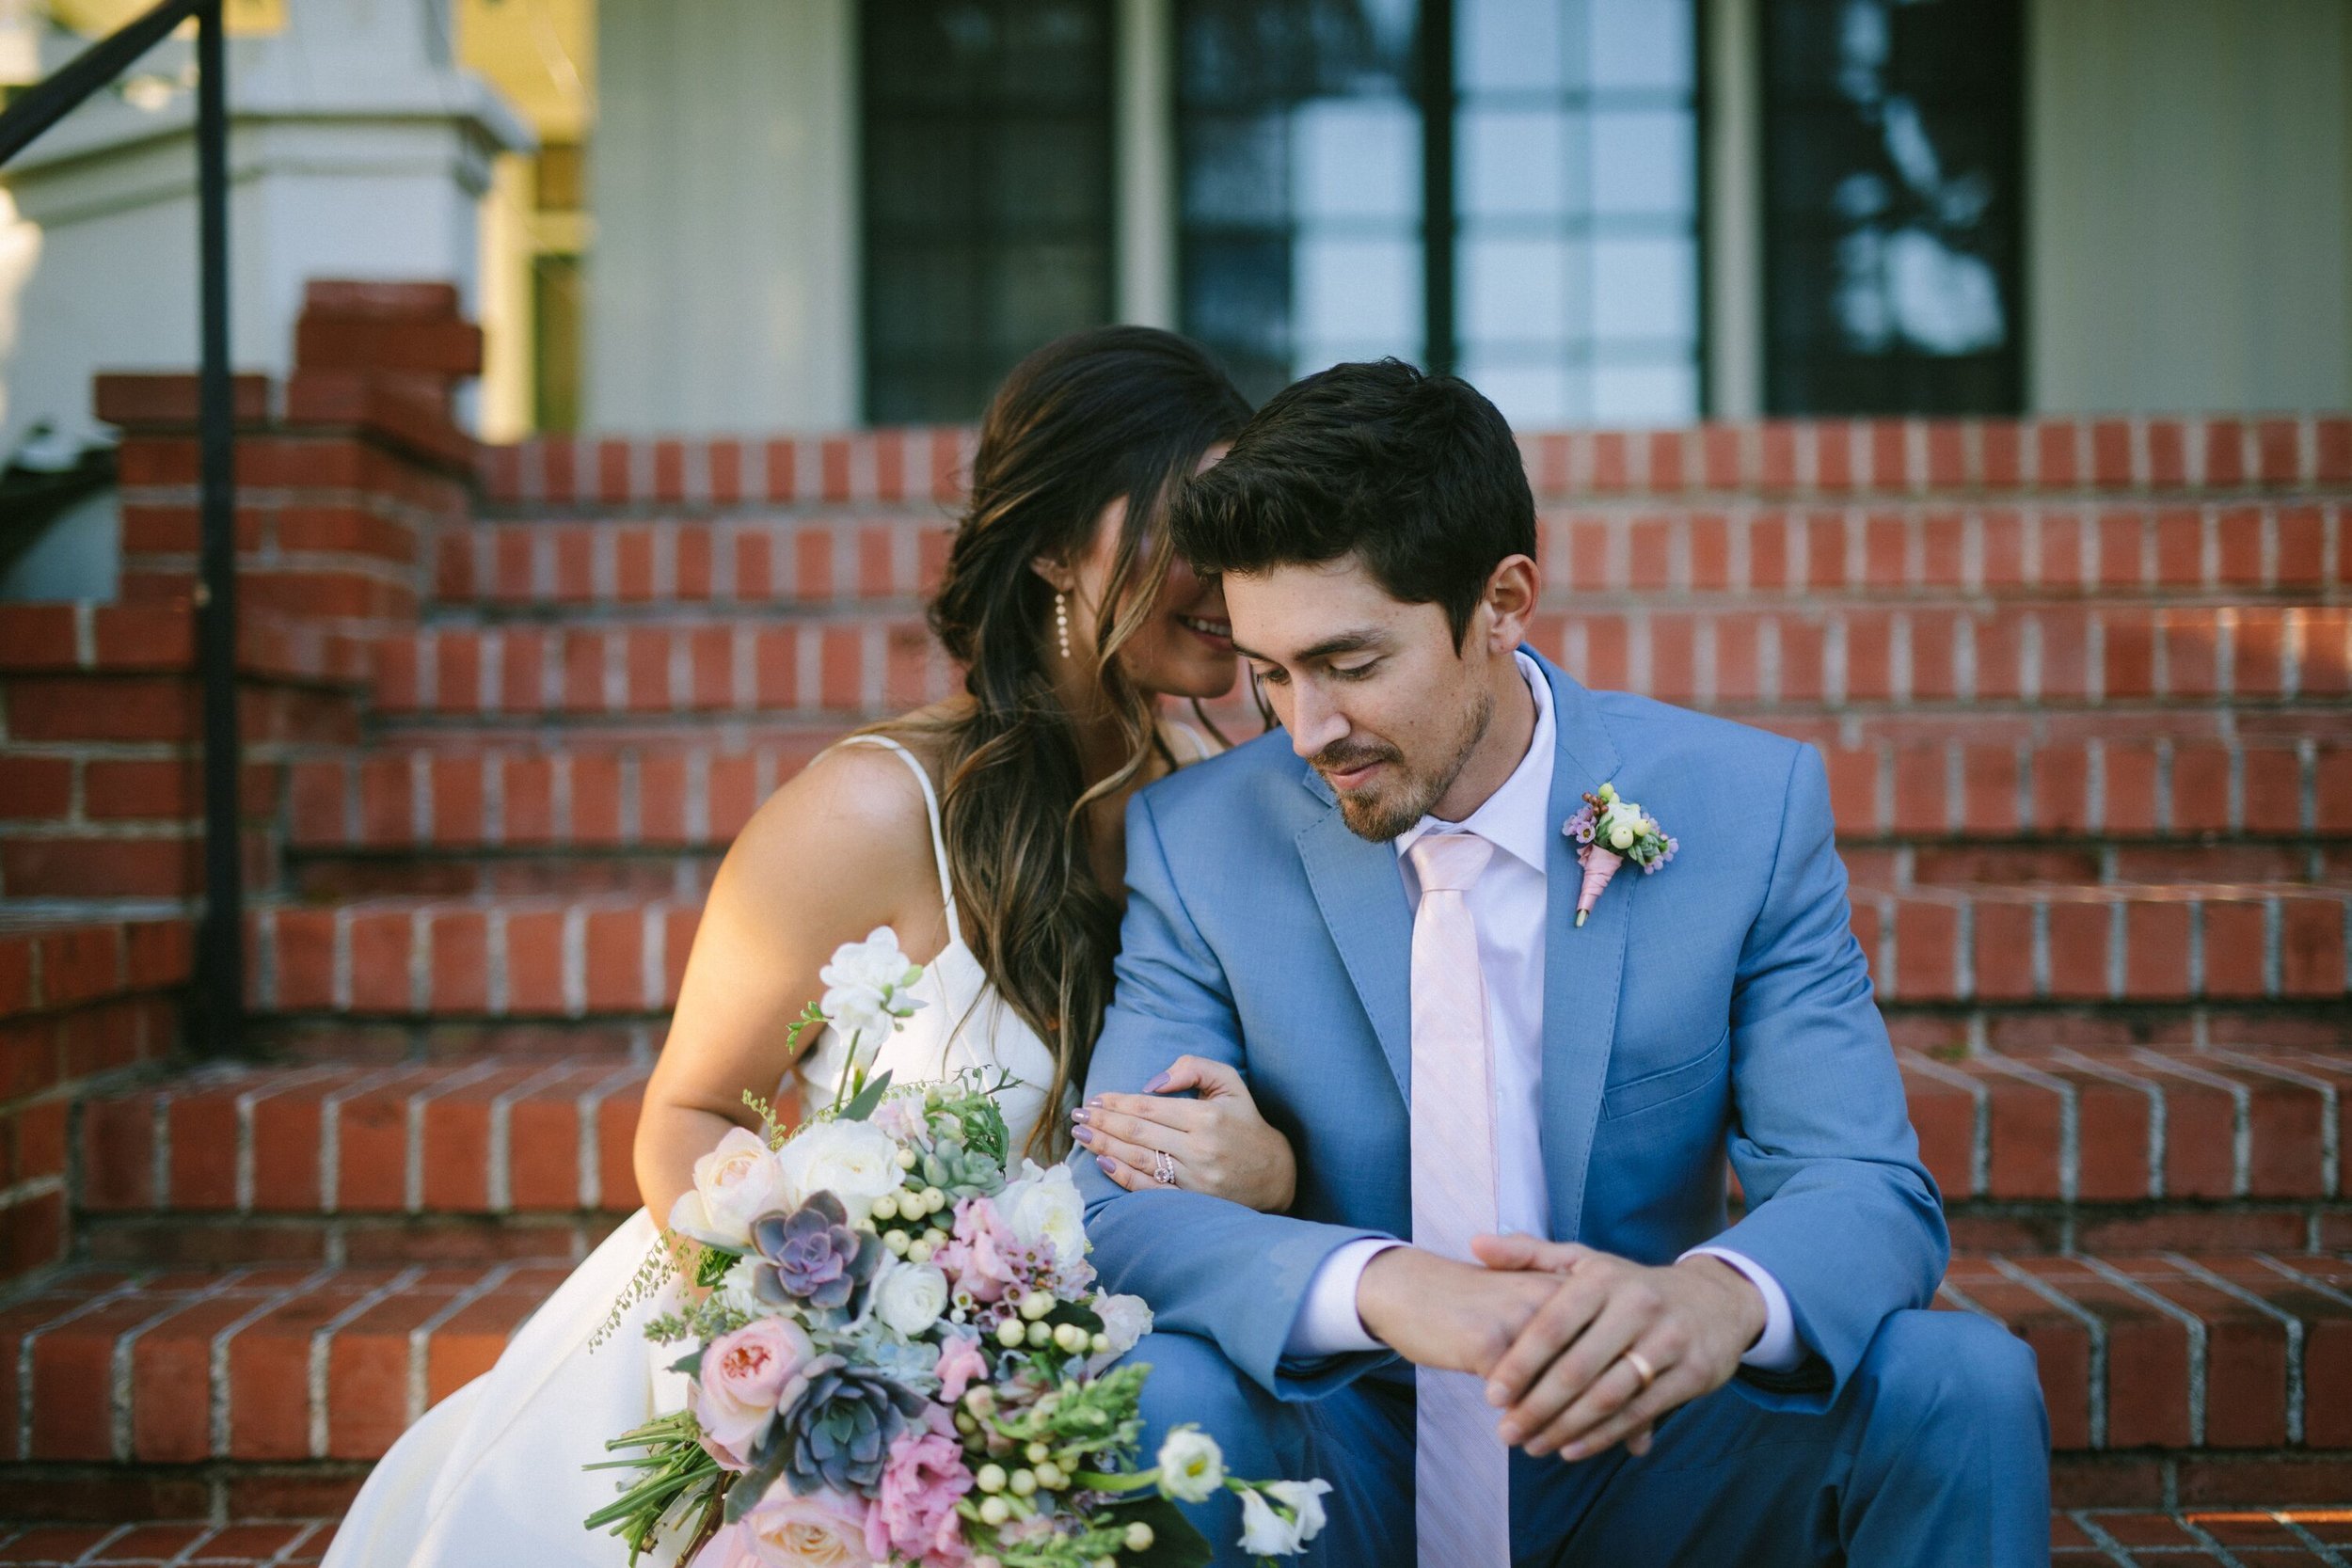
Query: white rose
1192, 1467
1266, 1534
853, 1161
1045, 1206
734, 1185
910, 1297
735, 1292
1125, 1319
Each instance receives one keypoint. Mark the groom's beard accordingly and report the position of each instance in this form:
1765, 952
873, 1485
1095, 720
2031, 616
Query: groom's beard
1380, 814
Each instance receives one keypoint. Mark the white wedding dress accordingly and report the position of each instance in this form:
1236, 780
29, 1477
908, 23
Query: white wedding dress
492, 1475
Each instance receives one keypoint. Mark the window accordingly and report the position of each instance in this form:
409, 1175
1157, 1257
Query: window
1576, 202
988, 220
1561, 157
1300, 150
1892, 211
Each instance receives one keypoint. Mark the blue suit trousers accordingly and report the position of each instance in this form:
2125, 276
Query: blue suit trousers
1933, 1455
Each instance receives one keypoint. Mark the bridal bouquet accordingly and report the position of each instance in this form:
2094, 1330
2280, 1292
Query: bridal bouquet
903, 1356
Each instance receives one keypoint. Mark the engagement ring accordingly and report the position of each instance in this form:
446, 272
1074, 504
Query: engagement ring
1164, 1168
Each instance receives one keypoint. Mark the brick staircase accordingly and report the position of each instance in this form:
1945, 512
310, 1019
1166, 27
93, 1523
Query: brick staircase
2085, 688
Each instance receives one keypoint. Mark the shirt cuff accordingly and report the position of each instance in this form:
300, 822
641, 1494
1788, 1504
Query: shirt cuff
1777, 1349
1327, 1322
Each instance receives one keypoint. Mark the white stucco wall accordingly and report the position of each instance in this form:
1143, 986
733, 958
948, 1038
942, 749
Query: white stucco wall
2190, 195
356, 148
724, 282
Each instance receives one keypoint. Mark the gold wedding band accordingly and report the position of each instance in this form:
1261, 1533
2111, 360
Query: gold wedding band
1641, 1369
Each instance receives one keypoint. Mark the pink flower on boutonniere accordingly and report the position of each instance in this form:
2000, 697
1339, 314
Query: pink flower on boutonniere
1609, 831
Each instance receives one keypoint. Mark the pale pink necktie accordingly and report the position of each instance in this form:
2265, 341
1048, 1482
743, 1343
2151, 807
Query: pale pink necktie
1461, 1470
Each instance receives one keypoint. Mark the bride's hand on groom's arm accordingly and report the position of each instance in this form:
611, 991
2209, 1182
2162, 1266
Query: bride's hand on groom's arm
1567, 1384
1215, 1143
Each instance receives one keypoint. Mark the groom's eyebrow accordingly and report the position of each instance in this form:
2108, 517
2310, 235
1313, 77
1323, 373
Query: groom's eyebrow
1330, 647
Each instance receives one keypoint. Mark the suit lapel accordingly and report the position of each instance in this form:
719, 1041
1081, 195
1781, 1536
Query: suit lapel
1361, 895
1582, 969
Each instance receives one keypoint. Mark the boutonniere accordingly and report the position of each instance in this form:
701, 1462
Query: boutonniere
1609, 831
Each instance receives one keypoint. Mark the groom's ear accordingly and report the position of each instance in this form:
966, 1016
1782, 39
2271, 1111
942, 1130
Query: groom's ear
1512, 593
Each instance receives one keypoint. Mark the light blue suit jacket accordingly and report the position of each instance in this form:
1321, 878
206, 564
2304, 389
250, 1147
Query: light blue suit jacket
1718, 1008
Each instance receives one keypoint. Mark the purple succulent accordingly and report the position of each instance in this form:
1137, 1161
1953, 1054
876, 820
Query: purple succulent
813, 1255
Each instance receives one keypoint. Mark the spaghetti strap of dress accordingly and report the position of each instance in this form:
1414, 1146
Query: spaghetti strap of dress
1192, 739
931, 809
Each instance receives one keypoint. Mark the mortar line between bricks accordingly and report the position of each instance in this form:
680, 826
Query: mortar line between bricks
589, 1104
2241, 1112
415, 1109
285, 1554
2190, 1322
2319, 1548
2295, 1276
216, 1353
323, 1337
95, 1552
32, 1337
417, 1386
498, 1182
119, 1392
187, 1553
2148, 1088
2094, 1328
2070, 1117
2293, 1332
1980, 1115
2329, 1153
2207, 1539
2088, 1522
331, 1133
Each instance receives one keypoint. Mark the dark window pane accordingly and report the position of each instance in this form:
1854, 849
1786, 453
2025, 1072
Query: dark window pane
1893, 210
1299, 184
988, 209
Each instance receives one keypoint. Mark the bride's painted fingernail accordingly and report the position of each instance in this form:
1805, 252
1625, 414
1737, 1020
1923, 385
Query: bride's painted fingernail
1080, 1116
1108, 1168
1156, 1085
1085, 1135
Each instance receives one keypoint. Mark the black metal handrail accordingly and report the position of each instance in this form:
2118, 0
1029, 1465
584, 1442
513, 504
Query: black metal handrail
221, 939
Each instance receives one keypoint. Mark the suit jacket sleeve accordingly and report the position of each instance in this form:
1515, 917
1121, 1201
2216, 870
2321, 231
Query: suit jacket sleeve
1206, 1266
1840, 1208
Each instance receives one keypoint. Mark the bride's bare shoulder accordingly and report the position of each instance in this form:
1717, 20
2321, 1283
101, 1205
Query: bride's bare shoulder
853, 817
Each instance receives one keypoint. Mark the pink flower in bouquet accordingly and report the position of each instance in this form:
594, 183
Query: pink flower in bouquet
961, 1365
824, 1529
903, 1119
982, 1258
746, 1377
916, 1513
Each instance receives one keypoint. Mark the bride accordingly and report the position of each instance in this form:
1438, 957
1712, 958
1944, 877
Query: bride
986, 830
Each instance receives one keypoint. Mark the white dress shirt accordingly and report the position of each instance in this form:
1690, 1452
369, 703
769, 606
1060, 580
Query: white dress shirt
1508, 905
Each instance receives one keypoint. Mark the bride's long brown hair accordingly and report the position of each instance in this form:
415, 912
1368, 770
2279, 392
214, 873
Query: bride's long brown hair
1118, 411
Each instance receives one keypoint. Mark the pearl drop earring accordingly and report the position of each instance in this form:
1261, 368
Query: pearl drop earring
1061, 621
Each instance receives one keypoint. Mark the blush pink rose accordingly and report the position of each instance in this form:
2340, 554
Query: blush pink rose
746, 1377
915, 1512
961, 1365
824, 1529
724, 1549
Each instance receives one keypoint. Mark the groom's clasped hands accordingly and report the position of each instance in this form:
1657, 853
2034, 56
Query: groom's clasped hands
1582, 1350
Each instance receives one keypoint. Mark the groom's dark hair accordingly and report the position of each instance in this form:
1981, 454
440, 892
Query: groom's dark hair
1415, 475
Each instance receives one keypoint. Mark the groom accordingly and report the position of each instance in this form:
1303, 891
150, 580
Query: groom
1504, 1315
